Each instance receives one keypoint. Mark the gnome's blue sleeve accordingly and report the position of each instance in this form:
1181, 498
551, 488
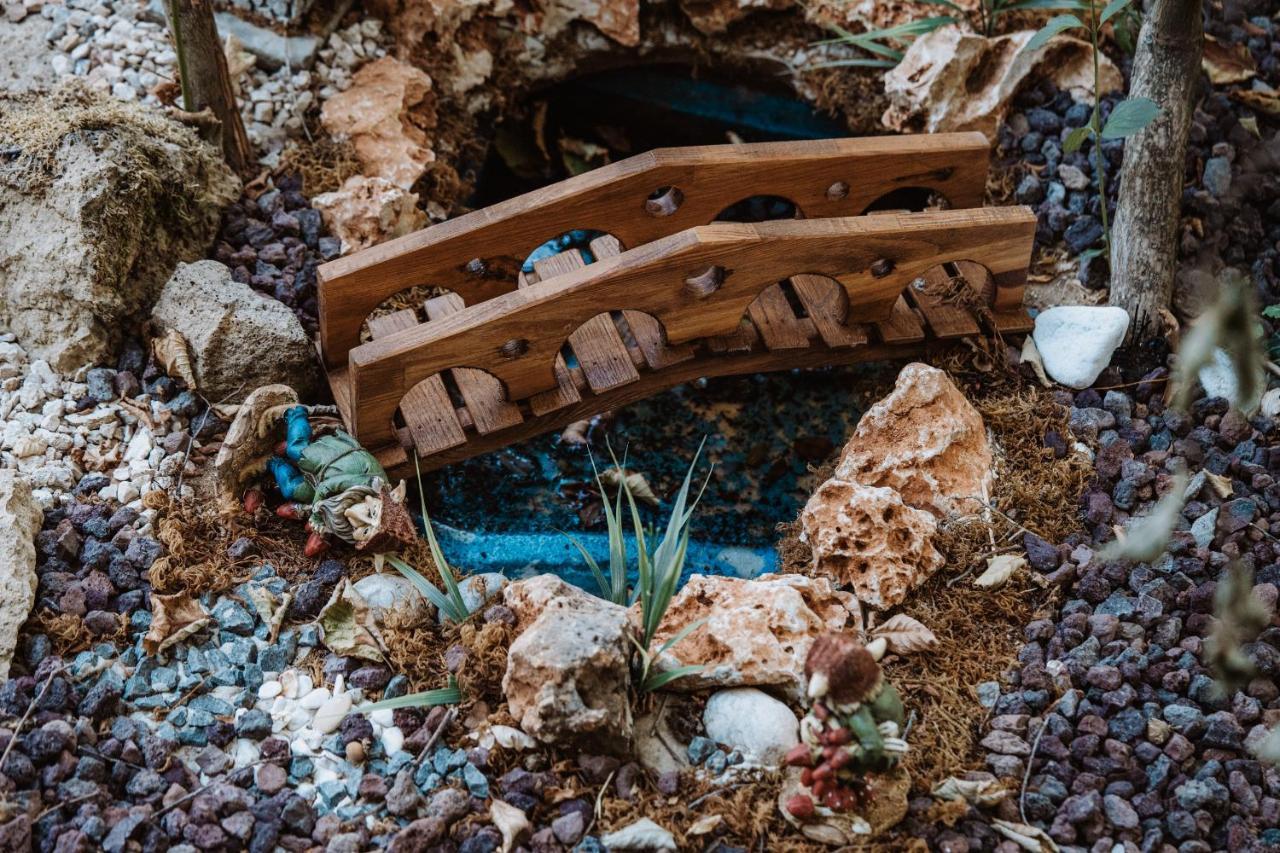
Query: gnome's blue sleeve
297, 432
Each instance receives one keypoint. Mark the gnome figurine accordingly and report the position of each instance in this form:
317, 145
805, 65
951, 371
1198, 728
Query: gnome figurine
854, 727
337, 487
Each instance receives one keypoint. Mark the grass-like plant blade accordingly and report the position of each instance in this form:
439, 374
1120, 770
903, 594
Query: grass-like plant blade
606, 591
446, 605
855, 63
450, 695
681, 634
661, 679
446, 573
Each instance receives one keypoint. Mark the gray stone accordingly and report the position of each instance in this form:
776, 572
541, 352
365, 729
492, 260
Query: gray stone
239, 339
753, 722
1217, 176
85, 253
272, 49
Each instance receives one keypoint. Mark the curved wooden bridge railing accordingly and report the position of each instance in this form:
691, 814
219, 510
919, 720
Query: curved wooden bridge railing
508, 355
639, 200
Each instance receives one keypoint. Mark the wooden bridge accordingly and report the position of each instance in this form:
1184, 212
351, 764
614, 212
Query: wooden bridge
672, 295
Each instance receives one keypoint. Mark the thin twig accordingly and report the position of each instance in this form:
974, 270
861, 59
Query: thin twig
215, 781
435, 736
1035, 745
595, 814
717, 792
31, 706
70, 802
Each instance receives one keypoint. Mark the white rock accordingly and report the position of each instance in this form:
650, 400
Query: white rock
20, 519
752, 721
1218, 378
314, 699
269, 690
1271, 403
383, 717
392, 740
644, 834
385, 591
1076, 341
330, 714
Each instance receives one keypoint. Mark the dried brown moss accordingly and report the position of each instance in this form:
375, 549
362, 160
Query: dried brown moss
324, 164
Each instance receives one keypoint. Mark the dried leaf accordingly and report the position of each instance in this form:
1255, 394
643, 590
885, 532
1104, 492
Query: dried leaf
999, 569
644, 834
1027, 837
575, 434
706, 824
636, 482
173, 619
1221, 484
1147, 537
511, 822
1227, 63
263, 602
905, 635
979, 792
174, 356
1267, 103
347, 626
1031, 355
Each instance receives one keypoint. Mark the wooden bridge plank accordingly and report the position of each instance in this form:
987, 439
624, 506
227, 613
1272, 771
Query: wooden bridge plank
380, 327
566, 391
903, 326
778, 325
946, 319
427, 409
482, 393
824, 300
647, 331
597, 344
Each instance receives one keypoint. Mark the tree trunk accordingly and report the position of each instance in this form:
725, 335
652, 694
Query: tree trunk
205, 83
1166, 69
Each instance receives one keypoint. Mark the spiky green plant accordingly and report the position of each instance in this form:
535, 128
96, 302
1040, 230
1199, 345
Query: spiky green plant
449, 602
614, 587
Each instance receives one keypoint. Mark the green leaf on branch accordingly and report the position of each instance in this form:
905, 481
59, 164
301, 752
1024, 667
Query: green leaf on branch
1043, 4
1057, 25
1129, 117
1113, 8
1075, 139
1271, 312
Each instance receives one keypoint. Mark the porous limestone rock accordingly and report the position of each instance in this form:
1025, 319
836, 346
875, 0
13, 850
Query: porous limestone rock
239, 339
924, 441
715, 16
752, 722
94, 223
385, 114
568, 675
528, 597
20, 519
757, 632
365, 211
1076, 341
953, 80
867, 538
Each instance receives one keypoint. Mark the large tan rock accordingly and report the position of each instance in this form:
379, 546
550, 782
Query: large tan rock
527, 598
569, 673
366, 211
924, 441
93, 223
953, 80
715, 16
20, 519
866, 538
239, 339
385, 114
757, 632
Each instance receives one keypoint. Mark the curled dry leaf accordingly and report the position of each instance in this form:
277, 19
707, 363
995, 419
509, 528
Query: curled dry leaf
173, 619
174, 355
1227, 63
644, 834
978, 792
904, 635
347, 626
576, 433
1031, 356
1220, 484
636, 482
1027, 837
511, 822
999, 569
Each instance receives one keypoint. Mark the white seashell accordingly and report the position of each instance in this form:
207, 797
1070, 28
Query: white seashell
330, 714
